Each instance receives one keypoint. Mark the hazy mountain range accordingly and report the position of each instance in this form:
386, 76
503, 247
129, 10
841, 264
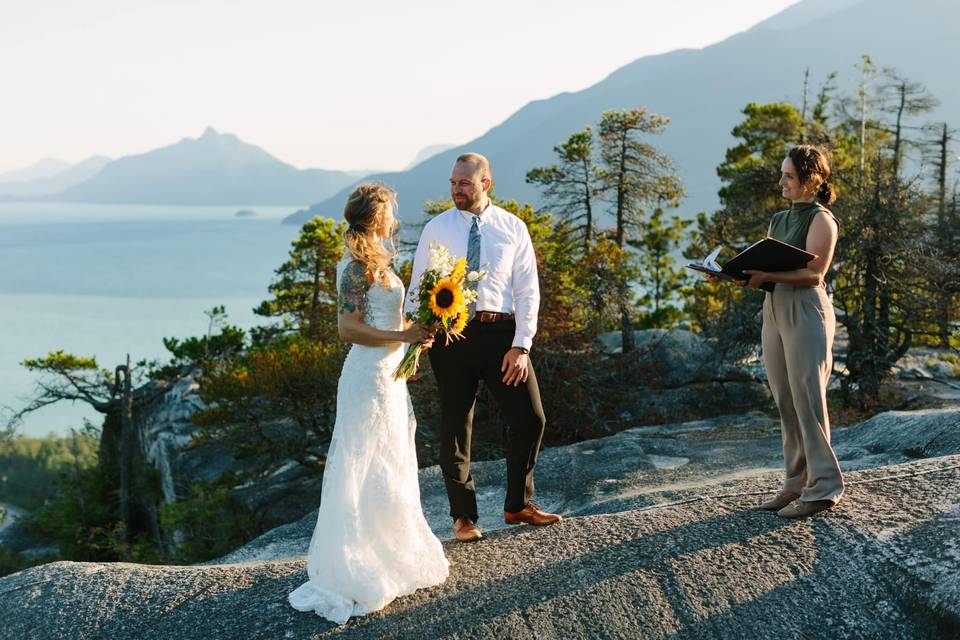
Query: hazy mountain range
214, 169
49, 176
428, 152
704, 91
44, 168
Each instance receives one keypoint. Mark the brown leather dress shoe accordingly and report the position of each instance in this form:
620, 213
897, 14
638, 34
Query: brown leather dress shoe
531, 514
779, 501
465, 531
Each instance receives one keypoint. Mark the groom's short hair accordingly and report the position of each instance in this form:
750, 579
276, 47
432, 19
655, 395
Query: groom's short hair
478, 161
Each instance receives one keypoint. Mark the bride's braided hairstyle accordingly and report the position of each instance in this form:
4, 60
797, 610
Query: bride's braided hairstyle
366, 213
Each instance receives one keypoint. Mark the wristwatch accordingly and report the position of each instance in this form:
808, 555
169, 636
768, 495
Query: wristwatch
523, 350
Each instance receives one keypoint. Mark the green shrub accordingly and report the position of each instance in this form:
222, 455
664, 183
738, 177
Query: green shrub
11, 562
208, 524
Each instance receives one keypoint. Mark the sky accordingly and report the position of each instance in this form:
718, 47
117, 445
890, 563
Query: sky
346, 85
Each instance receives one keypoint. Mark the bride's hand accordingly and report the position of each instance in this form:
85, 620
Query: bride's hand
416, 333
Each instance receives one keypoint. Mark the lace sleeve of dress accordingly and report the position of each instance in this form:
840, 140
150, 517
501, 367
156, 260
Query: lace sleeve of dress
352, 292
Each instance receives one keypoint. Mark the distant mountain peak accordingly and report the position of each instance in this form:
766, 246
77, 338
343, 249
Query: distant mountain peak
215, 169
212, 137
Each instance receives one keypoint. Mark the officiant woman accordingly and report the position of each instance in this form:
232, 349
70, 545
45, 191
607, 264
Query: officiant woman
797, 337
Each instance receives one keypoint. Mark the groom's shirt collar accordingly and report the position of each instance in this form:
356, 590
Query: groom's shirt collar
482, 218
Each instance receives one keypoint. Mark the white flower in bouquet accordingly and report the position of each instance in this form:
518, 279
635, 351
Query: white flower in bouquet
440, 259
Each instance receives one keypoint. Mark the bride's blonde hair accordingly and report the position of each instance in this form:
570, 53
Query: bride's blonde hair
365, 212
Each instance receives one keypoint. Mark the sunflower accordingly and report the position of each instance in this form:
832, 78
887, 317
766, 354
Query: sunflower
446, 299
461, 322
459, 270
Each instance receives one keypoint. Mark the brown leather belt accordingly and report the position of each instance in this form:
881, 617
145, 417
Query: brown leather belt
493, 316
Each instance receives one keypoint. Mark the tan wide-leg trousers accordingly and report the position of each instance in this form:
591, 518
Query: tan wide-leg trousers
797, 336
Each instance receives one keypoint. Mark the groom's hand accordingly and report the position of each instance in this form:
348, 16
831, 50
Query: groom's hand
514, 367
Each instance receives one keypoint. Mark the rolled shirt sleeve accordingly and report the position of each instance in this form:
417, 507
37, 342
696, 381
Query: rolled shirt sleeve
526, 291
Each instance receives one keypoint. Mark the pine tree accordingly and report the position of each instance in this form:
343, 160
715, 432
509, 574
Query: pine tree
662, 281
569, 188
945, 265
634, 176
305, 288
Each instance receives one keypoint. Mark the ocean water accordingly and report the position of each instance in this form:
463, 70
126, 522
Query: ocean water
107, 280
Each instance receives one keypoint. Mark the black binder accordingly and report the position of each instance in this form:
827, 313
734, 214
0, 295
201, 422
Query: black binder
768, 255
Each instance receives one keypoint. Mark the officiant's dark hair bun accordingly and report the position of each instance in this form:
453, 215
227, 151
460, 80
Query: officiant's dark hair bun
813, 168
366, 213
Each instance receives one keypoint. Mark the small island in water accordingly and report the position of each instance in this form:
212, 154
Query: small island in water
245, 213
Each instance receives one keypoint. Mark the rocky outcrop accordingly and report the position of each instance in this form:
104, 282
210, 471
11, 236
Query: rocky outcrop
277, 494
924, 363
686, 379
895, 436
660, 540
166, 436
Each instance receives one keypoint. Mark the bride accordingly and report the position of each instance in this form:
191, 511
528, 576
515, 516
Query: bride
371, 542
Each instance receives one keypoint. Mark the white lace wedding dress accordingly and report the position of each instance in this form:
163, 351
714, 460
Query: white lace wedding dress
371, 542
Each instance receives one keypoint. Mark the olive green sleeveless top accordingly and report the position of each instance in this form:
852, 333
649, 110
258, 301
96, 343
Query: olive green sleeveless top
791, 226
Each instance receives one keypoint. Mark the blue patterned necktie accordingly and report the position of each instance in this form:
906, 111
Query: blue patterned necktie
473, 256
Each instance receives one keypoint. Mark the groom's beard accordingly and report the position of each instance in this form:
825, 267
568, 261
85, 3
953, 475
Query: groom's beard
466, 203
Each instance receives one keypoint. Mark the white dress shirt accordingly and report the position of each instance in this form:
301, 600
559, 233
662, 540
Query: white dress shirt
506, 254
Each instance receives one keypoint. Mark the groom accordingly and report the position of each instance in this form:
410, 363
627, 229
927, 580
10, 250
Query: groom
496, 347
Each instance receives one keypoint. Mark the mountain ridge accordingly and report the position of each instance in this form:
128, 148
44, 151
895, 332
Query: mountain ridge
65, 178
703, 92
212, 169
43, 168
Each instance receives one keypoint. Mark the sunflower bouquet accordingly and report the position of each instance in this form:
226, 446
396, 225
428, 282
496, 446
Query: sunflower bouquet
442, 302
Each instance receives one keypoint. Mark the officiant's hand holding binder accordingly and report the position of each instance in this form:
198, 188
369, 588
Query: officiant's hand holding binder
768, 255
